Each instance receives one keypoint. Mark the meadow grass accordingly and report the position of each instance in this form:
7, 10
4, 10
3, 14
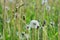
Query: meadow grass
14, 15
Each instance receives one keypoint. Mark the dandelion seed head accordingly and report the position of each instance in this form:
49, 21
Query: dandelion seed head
44, 2
34, 24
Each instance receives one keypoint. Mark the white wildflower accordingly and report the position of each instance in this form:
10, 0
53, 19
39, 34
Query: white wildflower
44, 1
48, 7
34, 24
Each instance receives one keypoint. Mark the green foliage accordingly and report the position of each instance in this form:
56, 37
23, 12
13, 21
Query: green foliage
0, 9
1, 25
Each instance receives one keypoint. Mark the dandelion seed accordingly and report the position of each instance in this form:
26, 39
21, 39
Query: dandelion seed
27, 36
44, 2
48, 7
27, 27
7, 8
52, 23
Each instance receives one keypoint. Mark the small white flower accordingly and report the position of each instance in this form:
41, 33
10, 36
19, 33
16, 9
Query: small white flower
7, 8
52, 23
48, 7
27, 36
34, 24
44, 1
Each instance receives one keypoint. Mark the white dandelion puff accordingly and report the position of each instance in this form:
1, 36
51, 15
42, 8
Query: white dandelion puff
44, 1
34, 24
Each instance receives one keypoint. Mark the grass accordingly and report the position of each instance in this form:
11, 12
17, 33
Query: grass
31, 10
